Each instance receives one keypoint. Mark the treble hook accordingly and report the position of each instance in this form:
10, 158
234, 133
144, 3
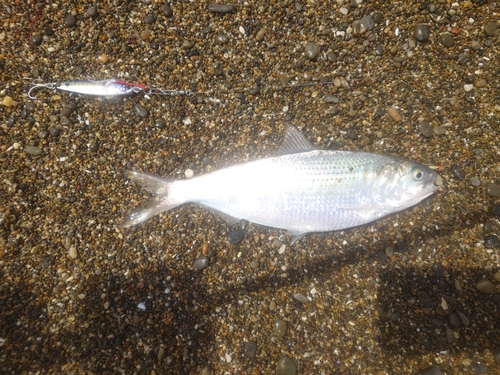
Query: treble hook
48, 86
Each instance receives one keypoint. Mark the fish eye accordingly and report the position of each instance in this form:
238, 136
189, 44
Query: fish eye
417, 174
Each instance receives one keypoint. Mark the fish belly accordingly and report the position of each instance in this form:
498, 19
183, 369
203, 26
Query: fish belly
308, 192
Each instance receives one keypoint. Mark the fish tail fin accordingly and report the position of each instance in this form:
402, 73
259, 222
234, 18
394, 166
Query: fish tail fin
161, 202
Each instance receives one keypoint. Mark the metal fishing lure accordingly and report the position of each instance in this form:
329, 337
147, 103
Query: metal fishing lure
110, 88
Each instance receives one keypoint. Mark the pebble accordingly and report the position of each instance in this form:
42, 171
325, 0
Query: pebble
439, 130
167, 11
207, 370
393, 112
70, 21
201, 262
480, 83
160, 124
422, 33
426, 129
431, 370
495, 210
189, 173
490, 28
54, 131
43, 134
367, 23
491, 241
496, 276
478, 367
221, 38
103, 58
236, 236
140, 110
250, 349
493, 190
312, 50
260, 35
330, 98
72, 253
33, 150
457, 172
92, 11
485, 286
7, 101
463, 319
424, 299
438, 270
37, 39
300, 297
474, 181
149, 19
286, 366
280, 327
93, 146
454, 320
447, 40
221, 8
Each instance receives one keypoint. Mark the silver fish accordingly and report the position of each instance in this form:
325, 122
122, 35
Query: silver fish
301, 189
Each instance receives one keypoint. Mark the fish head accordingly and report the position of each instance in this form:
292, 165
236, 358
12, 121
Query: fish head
402, 183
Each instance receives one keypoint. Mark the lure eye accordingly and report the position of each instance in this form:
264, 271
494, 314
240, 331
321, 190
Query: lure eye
418, 174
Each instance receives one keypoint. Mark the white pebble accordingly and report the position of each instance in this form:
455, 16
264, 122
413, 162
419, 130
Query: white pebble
189, 173
72, 254
343, 10
141, 306
282, 249
468, 87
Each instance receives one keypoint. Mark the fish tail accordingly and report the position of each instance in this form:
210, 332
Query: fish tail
161, 202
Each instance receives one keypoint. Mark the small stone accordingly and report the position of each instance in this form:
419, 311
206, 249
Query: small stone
149, 19
474, 181
54, 132
250, 349
70, 21
43, 134
286, 366
431, 370
367, 23
92, 11
221, 38
254, 265
236, 236
189, 173
478, 367
480, 83
454, 320
33, 150
221, 8
167, 11
468, 87
103, 58
422, 33
145, 35
312, 50
485, 286
140, 110
450, 335
495, 210
201, 262
493, 190
447, 40
424, 299
260, 35
207, 370
457, 172
463, 319
72, 254
496, 276
37, 39
330, 98
7, 101
393, 112
439, 130
280, 327
491, 241
93, 146
426, 129
160, 124
300, 297
490, 28
438, 270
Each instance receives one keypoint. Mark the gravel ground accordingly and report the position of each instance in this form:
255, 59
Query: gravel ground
183, 293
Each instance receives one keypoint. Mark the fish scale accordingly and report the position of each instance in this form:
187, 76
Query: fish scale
302, 189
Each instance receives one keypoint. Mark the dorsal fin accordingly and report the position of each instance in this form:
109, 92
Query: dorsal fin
294, 142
